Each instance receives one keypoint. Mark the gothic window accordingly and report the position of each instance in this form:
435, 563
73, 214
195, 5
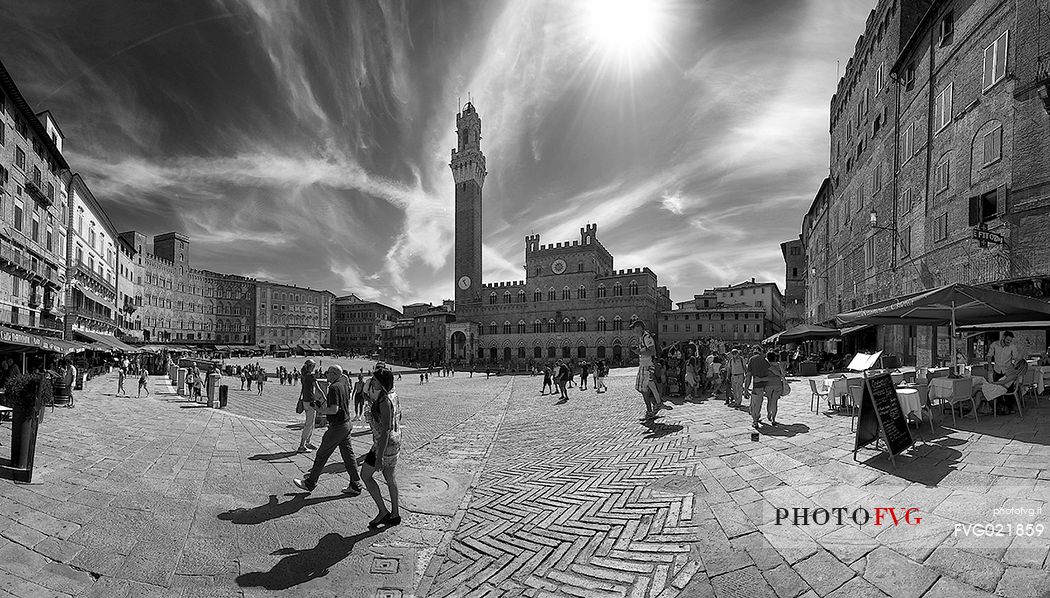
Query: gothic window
551, 325
566, 293
581, 325
601, 291
506, 327
617, 290
537, 296
521, 296
537, 326
492, 328
552, 295
601, 324
565, 325
582, 292
617, 323
506, 296
492, 298
632, 288
521, 327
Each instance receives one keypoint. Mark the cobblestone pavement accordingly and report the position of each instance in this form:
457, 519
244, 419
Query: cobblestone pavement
506, 492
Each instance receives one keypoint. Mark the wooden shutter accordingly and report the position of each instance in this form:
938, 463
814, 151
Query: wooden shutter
1000, 201
1001, 46
989, 64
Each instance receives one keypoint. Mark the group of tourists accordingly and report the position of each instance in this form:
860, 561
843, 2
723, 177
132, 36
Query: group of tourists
122, 374
253, 372
561, 376
376, 400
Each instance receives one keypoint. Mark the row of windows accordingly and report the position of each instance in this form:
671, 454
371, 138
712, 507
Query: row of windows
566, 325
566, 293
582, 352
757, 328
716, 316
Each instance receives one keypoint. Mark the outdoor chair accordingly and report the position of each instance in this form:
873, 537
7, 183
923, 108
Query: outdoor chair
814, 400
856, 395
963, 393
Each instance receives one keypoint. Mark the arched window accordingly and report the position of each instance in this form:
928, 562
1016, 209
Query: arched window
566, 325
566, 293
581, 325
537, 326
521, 328
566, 352
506, 327
617, 323
521, 296
581, 293
521, 352
601, 291
537, 295
551, 325
601, 324
492, 328
537, 352
617, 290
632, 288
552, 352
581, 352
492, 298
506, 296
551, 294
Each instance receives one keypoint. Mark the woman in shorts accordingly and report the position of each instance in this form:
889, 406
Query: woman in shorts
386, 444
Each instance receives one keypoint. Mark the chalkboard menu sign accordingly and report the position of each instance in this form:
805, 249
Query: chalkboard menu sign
881, 416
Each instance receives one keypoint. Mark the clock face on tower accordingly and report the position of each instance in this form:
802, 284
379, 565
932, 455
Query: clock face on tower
558, 266
464, 282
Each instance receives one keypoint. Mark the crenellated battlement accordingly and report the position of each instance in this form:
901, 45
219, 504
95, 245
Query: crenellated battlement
631, 272
503, 285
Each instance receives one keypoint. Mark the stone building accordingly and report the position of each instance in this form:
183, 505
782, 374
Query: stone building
398, 341
573, 303
794, 282
33, 212
91, 295
939, 133
129, 298
357, 324
430, 335
289, 316
233, 298
732, 323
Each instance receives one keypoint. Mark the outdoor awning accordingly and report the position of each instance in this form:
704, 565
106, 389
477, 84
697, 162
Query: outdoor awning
852, 329
26, 340
91, 294
961, 304
108, 340
803, 332
285, 348
1008, 326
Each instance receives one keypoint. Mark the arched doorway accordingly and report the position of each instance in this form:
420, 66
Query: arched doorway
459, 346
493, 353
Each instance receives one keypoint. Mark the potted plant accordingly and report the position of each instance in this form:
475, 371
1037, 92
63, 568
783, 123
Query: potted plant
26, 395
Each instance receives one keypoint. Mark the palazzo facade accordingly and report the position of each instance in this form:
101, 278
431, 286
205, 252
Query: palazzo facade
573, 304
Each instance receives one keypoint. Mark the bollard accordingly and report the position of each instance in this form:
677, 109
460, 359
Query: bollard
754, 437
224, 394
181, 385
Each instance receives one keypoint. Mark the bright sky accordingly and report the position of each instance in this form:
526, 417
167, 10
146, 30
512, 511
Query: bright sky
308, 142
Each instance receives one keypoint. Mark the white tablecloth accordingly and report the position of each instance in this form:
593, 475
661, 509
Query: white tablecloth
1041, 373
944, 388
909, 400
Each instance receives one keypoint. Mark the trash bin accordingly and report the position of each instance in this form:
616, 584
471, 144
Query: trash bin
224, 393
61, 392
181, 384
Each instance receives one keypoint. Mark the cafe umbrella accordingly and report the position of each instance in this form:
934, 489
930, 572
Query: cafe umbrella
804, 332
953, 305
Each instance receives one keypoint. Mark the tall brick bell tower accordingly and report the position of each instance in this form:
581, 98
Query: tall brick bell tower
468, 171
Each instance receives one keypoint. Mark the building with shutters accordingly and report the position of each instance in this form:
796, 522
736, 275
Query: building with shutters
357, 324
33, 215
940, 162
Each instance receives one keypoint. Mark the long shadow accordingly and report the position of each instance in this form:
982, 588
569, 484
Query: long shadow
785, 430
300, 566
659, 430
273, 456
197, 406
274, 509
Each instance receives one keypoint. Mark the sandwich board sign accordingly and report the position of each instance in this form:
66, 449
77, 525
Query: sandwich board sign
881, 418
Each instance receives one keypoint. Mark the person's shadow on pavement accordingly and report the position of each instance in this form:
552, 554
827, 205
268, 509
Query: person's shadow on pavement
300, 566
275, 509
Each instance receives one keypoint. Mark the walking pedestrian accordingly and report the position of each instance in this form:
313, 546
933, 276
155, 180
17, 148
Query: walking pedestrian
600, 371
562, 377
336, 406
144, 381
259, 379
121, 375
307, 396
386, 444
359, 397
242, 380
758, 367
644, 382
736, 369
69, 377
548, 382
583, 375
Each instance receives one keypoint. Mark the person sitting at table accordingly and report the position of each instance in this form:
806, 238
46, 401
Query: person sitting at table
1013, 377
1044, 359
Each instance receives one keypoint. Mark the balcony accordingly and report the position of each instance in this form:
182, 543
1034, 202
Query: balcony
84, 312
37, 194
94, 280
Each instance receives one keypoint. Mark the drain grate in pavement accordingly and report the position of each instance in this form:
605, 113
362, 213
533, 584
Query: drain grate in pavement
676, 483
384, 565
388, 593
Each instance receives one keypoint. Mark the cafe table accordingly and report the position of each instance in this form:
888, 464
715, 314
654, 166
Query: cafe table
911, 405
944, 388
